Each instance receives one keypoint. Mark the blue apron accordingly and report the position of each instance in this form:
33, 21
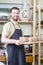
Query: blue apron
16, 54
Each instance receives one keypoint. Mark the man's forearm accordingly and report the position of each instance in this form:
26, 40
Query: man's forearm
8, 41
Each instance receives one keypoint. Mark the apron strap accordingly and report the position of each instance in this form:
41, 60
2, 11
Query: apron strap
14, 25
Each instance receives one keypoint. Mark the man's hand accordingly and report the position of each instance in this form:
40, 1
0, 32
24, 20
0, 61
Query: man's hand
19, 42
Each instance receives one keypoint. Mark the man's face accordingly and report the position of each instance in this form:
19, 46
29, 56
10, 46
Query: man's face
15, 14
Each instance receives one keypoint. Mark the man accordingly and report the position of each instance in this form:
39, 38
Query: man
10, 36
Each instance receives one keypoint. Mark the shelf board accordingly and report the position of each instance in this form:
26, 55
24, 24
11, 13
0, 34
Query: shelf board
28, 54
41, 9
35, 42
41, 58
2, 58
41, 41
41, 25
31, 42
29, 59
3, 21
25, 22
20, 22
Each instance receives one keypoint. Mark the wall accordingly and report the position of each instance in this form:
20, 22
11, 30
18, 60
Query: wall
11, 1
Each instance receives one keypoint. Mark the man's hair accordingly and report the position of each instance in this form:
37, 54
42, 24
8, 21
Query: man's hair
16, 8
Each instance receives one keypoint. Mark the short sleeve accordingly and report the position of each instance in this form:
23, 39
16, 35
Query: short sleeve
6, 30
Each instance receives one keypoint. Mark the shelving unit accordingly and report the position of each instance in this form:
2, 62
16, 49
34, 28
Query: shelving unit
39, 27
30, 56
33, 26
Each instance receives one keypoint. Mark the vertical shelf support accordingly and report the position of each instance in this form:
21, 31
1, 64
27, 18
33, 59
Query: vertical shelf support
39, 14
34, 14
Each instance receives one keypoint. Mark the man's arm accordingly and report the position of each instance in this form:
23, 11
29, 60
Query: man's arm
6, 40
5, 36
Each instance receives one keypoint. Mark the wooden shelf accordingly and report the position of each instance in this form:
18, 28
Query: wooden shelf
29, 58
41, 41
41, 9
20, 22
41, 25
41, 58
32, 42
25, 22
28, 54
3, 21
2, 58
